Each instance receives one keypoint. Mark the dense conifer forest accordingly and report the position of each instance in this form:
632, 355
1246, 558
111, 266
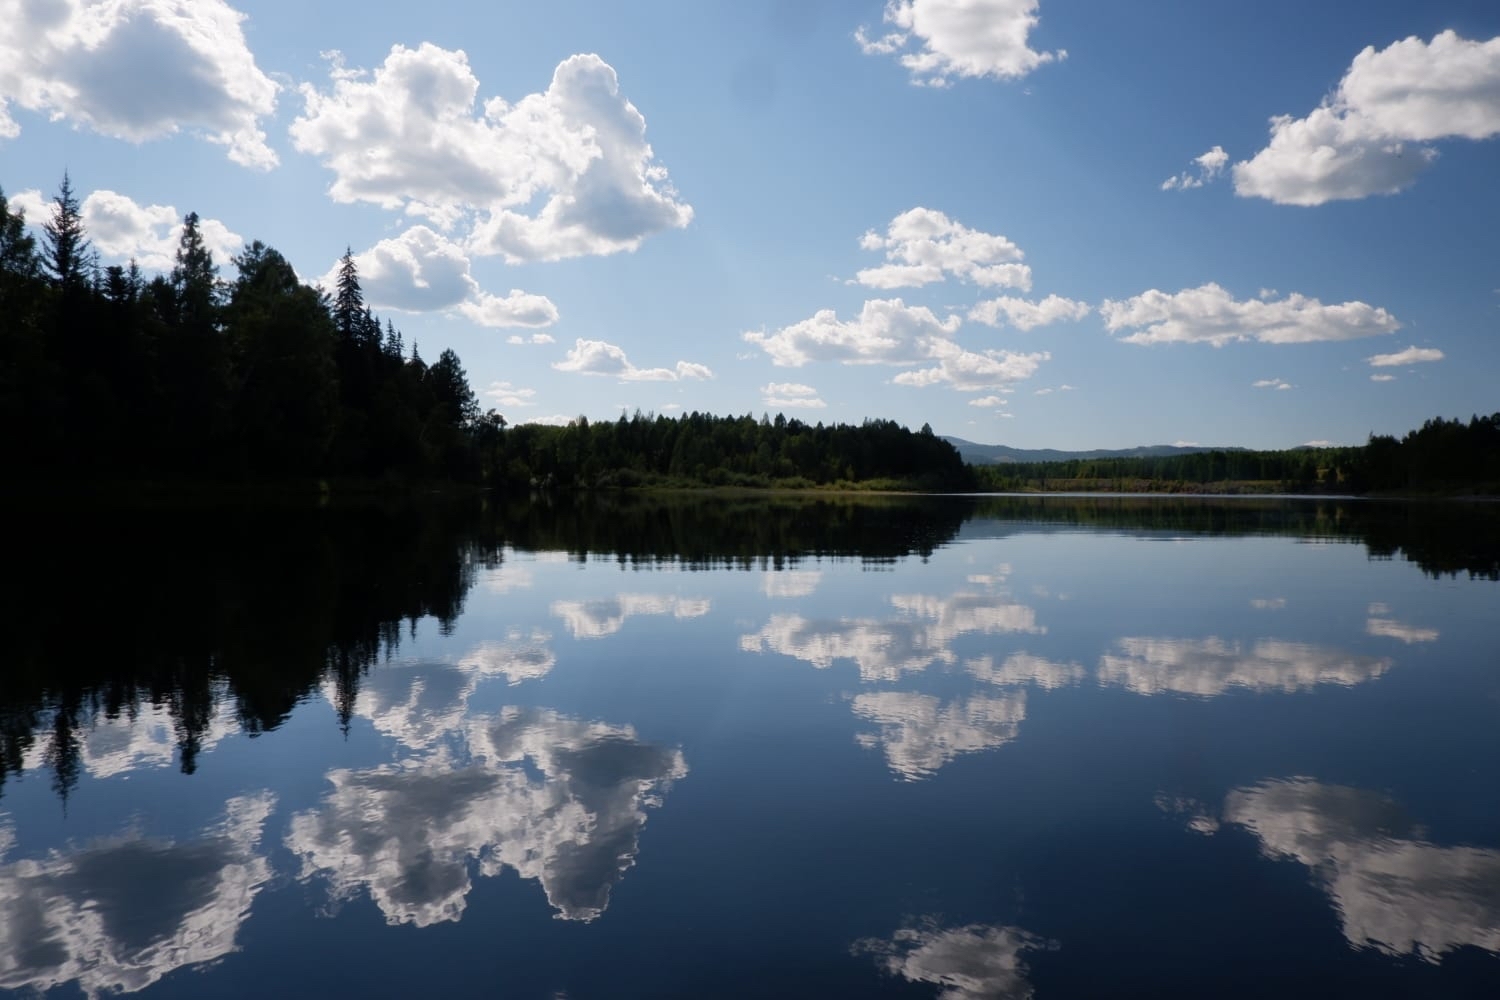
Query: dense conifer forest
110, 375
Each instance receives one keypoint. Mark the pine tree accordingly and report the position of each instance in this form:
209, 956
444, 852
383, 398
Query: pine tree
348, 299
68, 255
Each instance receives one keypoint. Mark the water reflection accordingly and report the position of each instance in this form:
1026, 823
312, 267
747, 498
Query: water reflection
139, 737
557, 799
1212, 666
885, 649
975, 962
1381, 623
1393, 890
119, 914
919, 733
600, 618
791, 583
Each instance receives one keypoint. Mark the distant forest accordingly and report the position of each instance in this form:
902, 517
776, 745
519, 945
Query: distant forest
109, 375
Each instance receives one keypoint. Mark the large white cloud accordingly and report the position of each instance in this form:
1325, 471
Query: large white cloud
423, 271
118, 914
1369, 137
122, 229
556, 799
598, 357
1209, 314
563, 173
1213, 666
887, 331
1393, 890
1024, 314
948, 38
923, 246
137, 70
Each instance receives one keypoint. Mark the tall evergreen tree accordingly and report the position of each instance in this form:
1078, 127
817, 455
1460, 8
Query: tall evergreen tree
348, 299
68, 254
195, 277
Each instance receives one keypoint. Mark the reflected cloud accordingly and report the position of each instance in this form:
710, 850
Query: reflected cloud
507, 577
1394, 892
117, 915
558, 800
791, 582
601, 618
146, 736
1380, 624
919, 734
420, 704
1023, 668
884, 650
976, 962
1212, 666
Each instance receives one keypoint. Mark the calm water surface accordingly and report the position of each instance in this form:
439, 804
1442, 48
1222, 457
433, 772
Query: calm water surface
951, 748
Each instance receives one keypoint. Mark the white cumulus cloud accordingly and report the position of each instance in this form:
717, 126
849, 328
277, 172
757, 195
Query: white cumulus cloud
122, 229
1026, 315
1271, 383
1370, 136
988, 402
423, 271
887, 331
970, 371
941, 39
923, 246
597, 357
1410, 356
506, 394
791, 395
1209, 314
563, 173
137, 70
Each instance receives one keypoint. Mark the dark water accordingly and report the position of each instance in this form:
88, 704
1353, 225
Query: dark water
951, 748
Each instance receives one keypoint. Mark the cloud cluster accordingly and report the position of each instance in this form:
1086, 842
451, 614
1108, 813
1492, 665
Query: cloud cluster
919, 734
1272, 383
423, 271
597, 357
563, 173
1213, 666
597, 619
1370, 136
137, 70
1210, 165
559, 800
940, 39
1209, 314
118, 914
122, 229
923, 246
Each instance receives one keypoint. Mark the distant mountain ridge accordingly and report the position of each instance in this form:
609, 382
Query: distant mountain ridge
998, 454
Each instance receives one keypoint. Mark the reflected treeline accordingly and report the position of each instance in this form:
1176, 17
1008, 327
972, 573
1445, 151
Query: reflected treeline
740, 531
129, 611
1442, 537
203, 621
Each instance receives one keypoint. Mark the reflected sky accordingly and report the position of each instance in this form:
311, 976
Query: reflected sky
604, 617
559, 800
145, 736
119, 913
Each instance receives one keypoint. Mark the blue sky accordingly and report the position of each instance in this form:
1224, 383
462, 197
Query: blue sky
1045, 223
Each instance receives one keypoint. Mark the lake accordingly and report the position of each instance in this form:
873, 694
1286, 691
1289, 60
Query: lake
963, 748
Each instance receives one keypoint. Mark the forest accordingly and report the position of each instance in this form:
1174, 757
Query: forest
191, 378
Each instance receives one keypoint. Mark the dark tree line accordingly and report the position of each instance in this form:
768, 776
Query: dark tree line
1441, 456
187, 376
